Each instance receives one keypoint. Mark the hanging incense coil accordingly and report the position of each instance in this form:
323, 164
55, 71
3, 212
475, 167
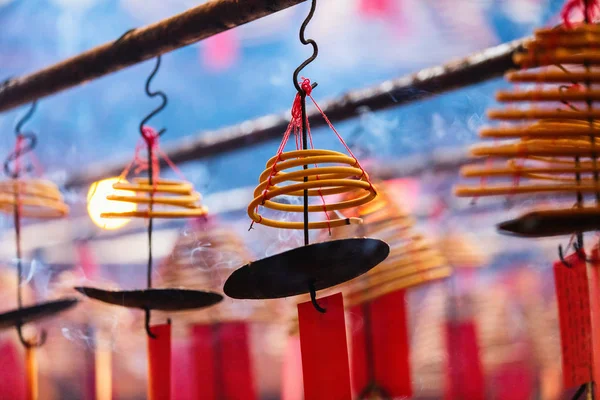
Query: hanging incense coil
37, 198
203, 256
180, 196
461, 251
412, 260
338, 179
553, 150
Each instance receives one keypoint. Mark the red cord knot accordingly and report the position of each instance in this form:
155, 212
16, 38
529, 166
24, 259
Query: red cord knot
305, 85
589, 8
150, 136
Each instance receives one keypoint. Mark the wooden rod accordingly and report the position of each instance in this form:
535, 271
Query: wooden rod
476, 68
141, 44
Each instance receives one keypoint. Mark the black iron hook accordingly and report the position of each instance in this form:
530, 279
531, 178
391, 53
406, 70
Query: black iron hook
123, 36
151, 94
562, 257
313, 298
147, 324
579, 392
25, 118
305, 41
31, 343
31, 141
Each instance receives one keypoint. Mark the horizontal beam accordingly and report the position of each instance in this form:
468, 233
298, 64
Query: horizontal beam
141, 44
476, 68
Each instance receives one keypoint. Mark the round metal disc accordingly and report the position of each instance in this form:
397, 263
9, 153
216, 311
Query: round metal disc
290, 273
547, 223
154, 299
37, 312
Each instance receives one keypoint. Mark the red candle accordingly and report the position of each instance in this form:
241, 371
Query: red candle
159, 363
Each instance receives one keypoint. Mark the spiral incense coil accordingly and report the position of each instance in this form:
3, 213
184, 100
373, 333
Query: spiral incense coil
348, 177
37, 198
178, 195
202, 258
552, 149
412, 260
462, 251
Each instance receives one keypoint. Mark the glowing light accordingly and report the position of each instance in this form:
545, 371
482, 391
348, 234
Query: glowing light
98, 204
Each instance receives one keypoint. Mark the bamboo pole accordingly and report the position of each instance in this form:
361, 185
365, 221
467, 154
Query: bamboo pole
140, 44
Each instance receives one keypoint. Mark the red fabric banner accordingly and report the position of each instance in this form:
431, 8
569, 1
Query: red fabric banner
594, 279
380, 350
292, 383
159, 363
572, 293
181, 371
515, 381
12, 374
324, 350
203, 355
223, 362
464, 378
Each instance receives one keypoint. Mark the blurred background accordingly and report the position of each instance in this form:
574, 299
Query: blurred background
244, 74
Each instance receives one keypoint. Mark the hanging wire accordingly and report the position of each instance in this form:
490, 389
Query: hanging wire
151, 94
302, 93
305, 41
30, 140
151, 182
26, 142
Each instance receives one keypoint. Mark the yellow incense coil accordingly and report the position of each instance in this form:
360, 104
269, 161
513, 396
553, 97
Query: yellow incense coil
178, 196
553, 147
344, 177
372, 293
37, 198
412, 258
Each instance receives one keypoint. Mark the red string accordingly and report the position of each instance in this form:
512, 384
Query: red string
340, 138
295, 126
150, 140
589, 8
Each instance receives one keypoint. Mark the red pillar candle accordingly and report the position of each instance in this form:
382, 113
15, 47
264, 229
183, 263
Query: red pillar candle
573, 296
324, 350
159, 363
380, 351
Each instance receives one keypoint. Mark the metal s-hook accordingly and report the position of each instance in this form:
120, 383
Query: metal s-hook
305, 41
31, 343
562, 257
147, 324
313, 298
30, 142
25, 118
151, 94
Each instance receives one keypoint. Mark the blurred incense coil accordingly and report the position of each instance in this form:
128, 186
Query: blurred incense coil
461, 251
203, 257
37, 198
412, 261
174, 198
552, 149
